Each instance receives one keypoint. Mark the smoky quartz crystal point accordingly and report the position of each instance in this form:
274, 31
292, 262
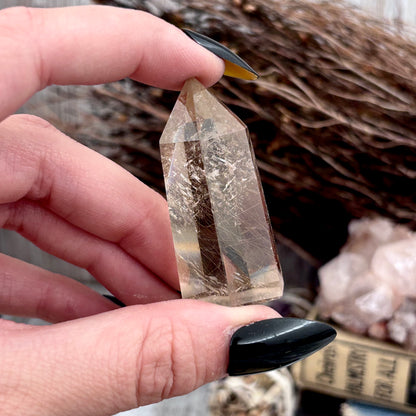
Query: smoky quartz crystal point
221, 230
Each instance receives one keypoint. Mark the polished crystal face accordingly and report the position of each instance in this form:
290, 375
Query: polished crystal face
223, 240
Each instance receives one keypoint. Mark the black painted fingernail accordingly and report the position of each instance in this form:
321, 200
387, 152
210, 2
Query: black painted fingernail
115, 300
274, 343
234, 65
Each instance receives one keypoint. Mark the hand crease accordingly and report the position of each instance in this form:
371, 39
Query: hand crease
41, 67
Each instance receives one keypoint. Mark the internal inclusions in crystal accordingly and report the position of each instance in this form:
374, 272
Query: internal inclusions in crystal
221, 230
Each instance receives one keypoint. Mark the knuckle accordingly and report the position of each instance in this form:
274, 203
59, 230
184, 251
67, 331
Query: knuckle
27, 121
167, 364
19, 30
24, 153
146, 211
155, 362
14, 16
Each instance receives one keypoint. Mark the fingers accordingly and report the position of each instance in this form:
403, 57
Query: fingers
27, 290
119, 272
119, 360
39, 163
92, 45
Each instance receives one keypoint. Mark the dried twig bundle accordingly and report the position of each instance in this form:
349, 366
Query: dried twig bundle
332, 117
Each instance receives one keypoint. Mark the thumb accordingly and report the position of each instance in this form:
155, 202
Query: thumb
134, 356
103, 364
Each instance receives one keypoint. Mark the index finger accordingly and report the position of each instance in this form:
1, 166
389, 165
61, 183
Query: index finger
93, 45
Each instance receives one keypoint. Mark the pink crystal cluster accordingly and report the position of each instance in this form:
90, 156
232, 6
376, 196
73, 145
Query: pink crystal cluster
370, 287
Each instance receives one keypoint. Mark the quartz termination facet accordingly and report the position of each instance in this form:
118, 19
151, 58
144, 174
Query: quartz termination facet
223, 240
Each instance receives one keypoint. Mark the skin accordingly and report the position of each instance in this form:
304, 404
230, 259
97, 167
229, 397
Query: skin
76, 204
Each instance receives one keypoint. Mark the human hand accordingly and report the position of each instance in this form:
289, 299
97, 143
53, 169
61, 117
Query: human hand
72, 202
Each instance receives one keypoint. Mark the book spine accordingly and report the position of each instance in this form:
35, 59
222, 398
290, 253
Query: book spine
355, 367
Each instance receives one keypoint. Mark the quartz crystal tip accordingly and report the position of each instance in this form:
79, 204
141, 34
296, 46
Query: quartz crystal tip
221, 230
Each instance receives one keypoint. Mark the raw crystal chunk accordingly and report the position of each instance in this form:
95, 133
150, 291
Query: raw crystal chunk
370, 287
223, 240
395, 263
402, 328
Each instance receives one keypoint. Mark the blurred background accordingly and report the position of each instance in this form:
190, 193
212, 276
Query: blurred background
332, 120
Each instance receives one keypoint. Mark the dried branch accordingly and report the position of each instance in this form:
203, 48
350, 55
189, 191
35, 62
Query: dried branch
333, 117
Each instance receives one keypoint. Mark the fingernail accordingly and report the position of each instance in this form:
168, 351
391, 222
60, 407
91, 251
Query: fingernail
234, 65
274, 343
115, 300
